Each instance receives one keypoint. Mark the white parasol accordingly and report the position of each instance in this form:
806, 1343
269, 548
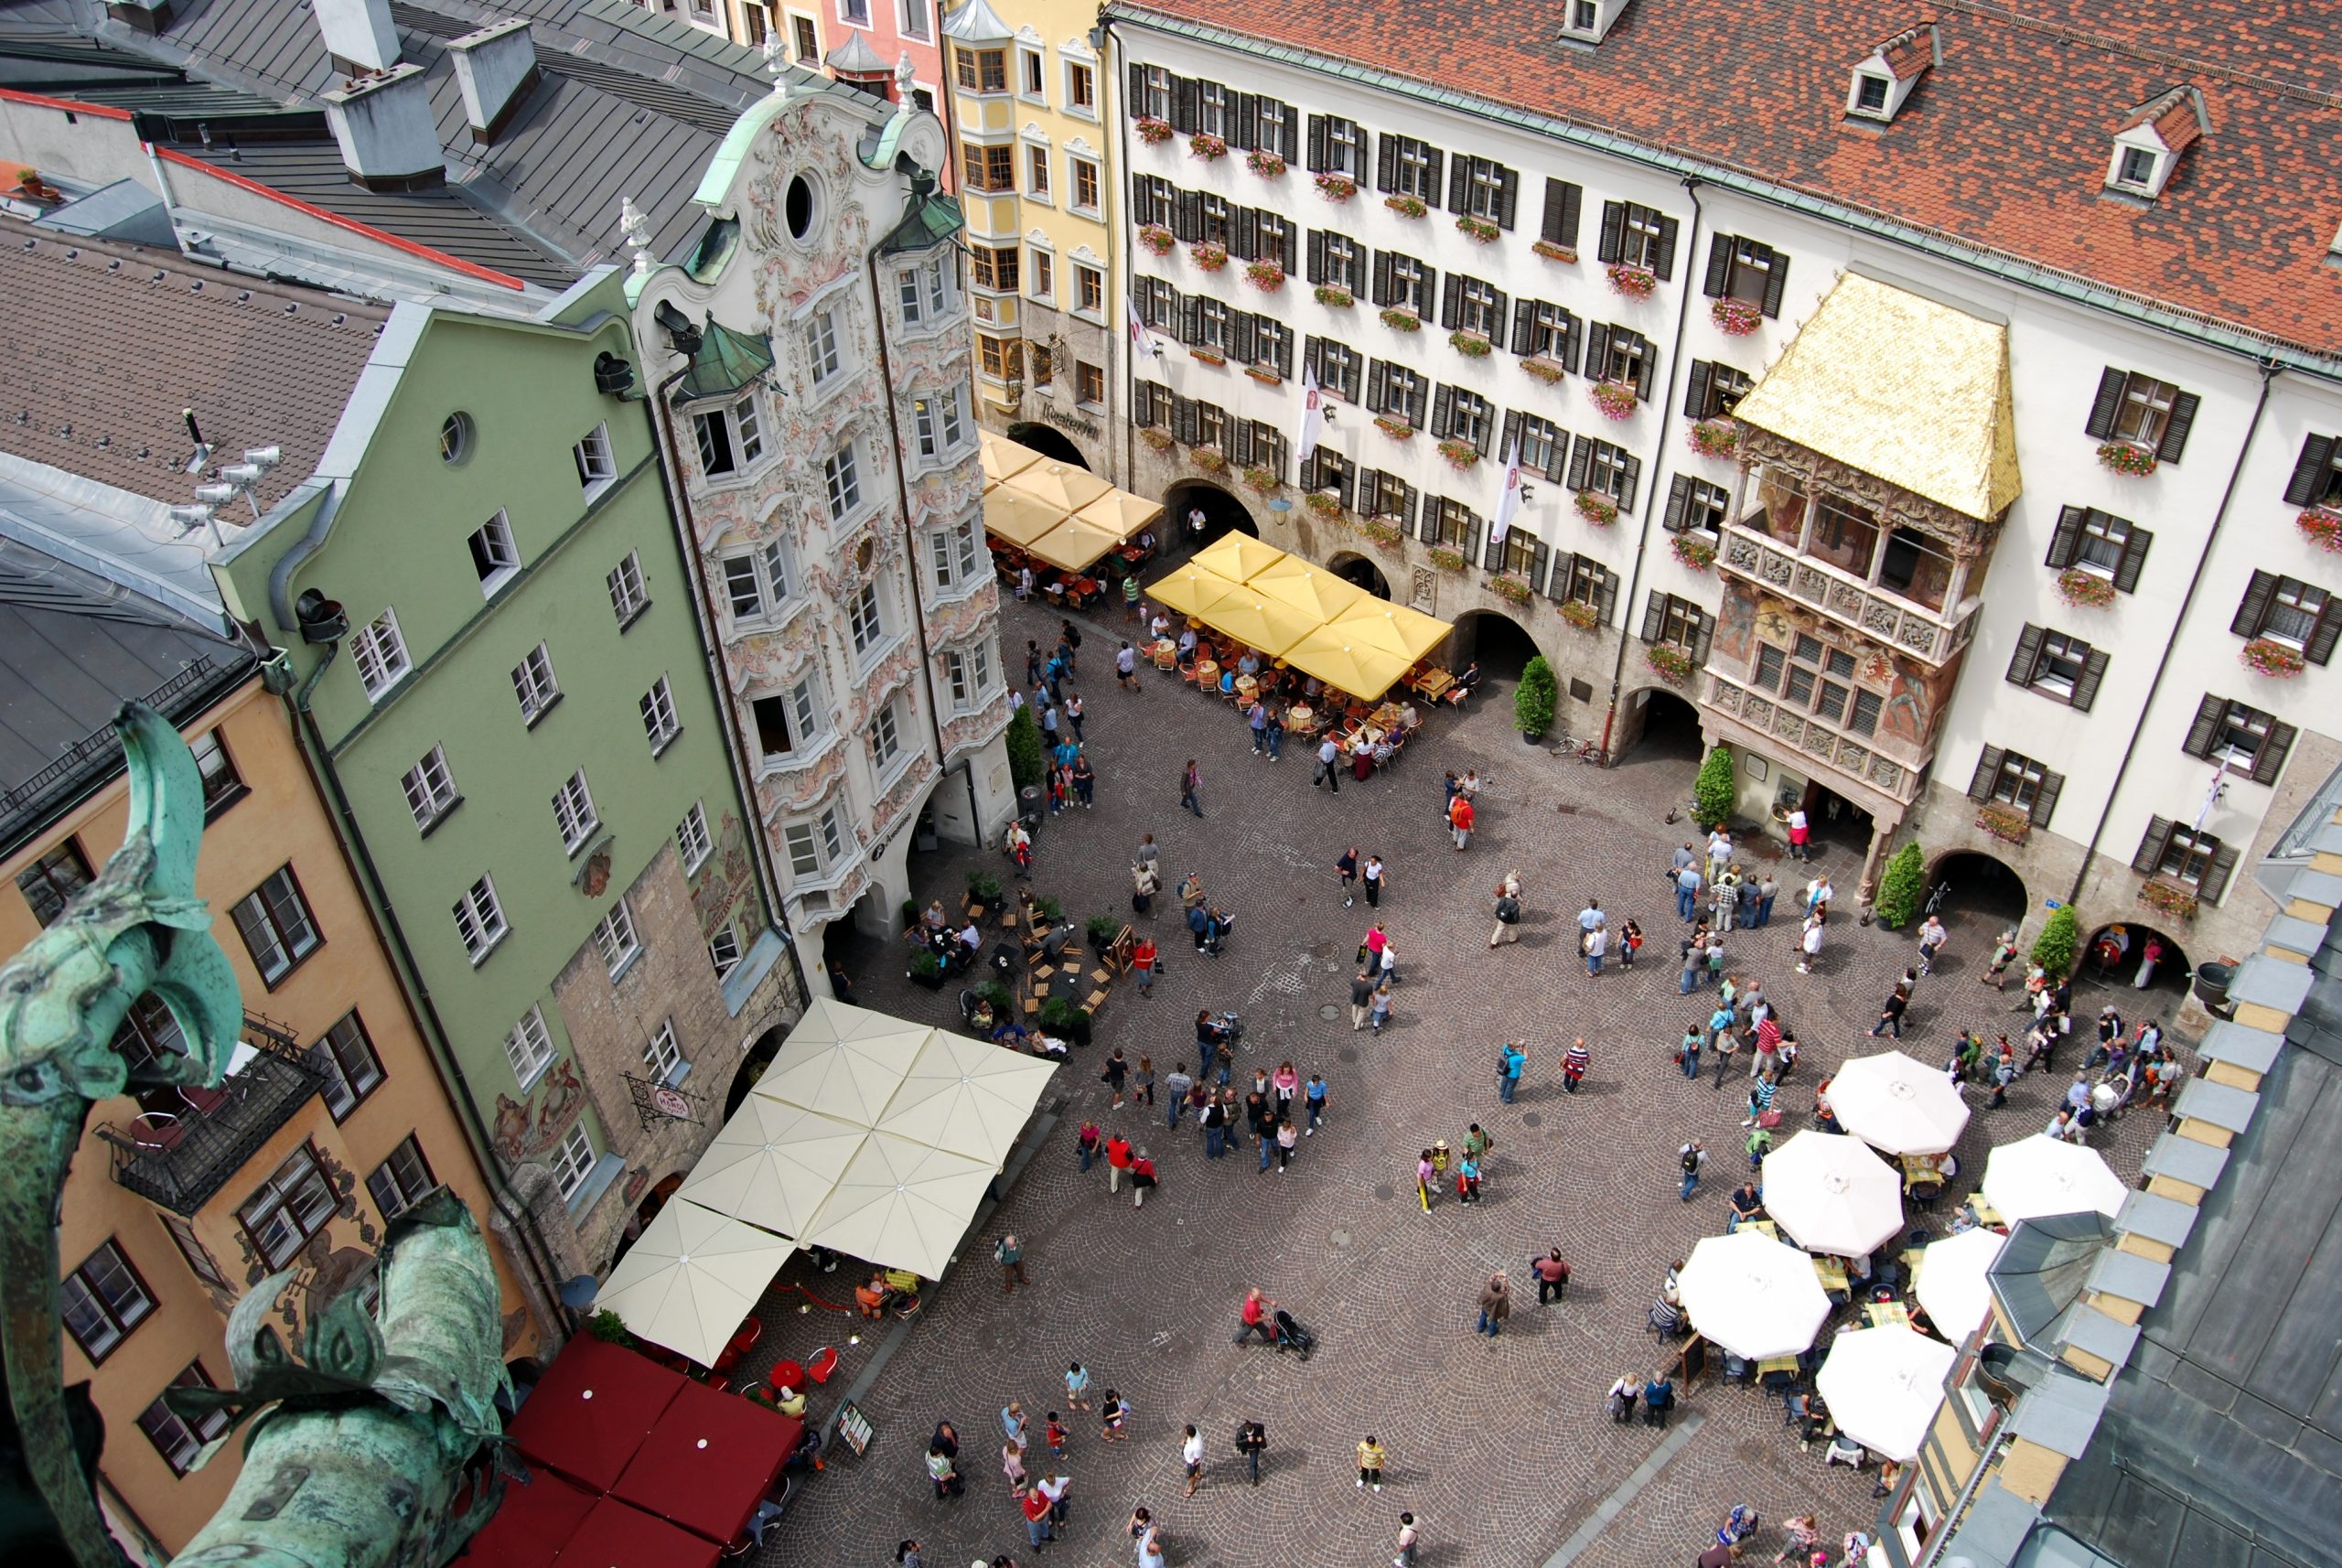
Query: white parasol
1897, 1105
1753, 1295
1831, 1194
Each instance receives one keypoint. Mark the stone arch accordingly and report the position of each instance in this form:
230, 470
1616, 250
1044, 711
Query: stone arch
1360, 571
752, 1067
1502, 643
1656, 723
1223, 513
1048, 441
1980, 891
2119, 976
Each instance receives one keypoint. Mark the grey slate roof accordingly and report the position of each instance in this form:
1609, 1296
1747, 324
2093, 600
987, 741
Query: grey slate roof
107, 343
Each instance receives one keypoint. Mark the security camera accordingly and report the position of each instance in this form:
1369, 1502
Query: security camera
263, 457
190, 517
218, 495
243, 473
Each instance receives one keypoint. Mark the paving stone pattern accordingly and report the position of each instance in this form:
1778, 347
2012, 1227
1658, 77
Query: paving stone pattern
1501, 1447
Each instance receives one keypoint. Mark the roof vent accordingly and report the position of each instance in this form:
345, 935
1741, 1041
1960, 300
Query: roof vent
1590, 21
1889, 73
495, 67
358, 35
2148, 142
385, 127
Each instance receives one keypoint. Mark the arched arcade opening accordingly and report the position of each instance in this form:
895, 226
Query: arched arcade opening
1048, 441
1976, 892
1200, 512
1655, 725
1360, 573
2139, 966
1499, 644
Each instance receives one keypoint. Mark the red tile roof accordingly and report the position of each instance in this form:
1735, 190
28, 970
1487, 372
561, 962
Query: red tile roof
2173, 117
2004, 144
1909, 54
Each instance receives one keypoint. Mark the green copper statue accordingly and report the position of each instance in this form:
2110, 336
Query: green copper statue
353, 1460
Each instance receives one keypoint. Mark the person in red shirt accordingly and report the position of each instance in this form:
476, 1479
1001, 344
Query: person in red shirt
1142, 965
1142, 1178
1552, 1277
1459, 817
1118, 1160
1036, 1516
1257, 1317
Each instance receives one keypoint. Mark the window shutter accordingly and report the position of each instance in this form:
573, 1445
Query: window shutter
1187, 217
2319, 648
1580, 450
1492, 557
1240, 443
1284, 354
1288, 239
2028, 654
1415, 404
1508, 197
1317, 255
2253, 611
2065, 536
1988, 772
1654, 616
2215, 880
2207, 725
2270, 759
2045, 800
1570, 344
2175, 435
1183, 106
1192, 318
1633, 486
1695, 391
1320, 145
1443, 408
1243, 336
1244, 233
1386, 161
1605, 594
2093, 671
1644, 367
1707, 624
1665, 266
2106, 404
1438, 161
1679, 499
1431, 287
1451, 300
1558, 226
1503, 302
1377, 382
2134, 559
1459, 183
1183, 419
1248, 120
1524, 326
1345, 486
1777, 283
1557, 586
1719, 266
1613, 228
1381, 290
1597, 351
1511, 430
2310, 471
2150, 847
1289, 133
1558, 464
1137, 94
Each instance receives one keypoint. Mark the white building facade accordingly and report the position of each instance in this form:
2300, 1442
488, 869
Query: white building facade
2057, 679
811, 362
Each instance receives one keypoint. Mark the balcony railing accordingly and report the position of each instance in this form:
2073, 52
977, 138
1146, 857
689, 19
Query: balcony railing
1936, 636
179, 1159
1859, 757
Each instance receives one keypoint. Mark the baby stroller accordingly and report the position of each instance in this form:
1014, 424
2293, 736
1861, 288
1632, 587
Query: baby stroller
1291, 1336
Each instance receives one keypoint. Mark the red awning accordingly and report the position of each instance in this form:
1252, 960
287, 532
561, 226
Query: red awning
530, 1523
709, 1459
616, 1536
595, 1405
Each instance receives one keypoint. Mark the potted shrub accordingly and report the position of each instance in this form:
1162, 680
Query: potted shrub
2127, 458
2084, 589
1158, 440
1266, 277
1156, 238
1398, 430
1406, 205
1553, 253
1714, 790
2321, 528
1205, 146
984, 888
1714, 437
1534, 700
1459, 454
1101, 930
910, 914
1208, 255
1734, 317
1617, 400
1479, 229
2178, 902
993, 994
1596, 507
2060, 940
1334, 296
1544, 370
1579, 614
2003, 822
1633, 282
1447, 560
1152, 131
2267, 656
1321, 503
1900, 887
1696, 554
1260, 479
926, 970
1471, 345
1402, 320
1672, 662
1265, 164
1026, 761
1385, 536
609, 1328
1063, 1019
1337, 187
1210, 459
1046, 910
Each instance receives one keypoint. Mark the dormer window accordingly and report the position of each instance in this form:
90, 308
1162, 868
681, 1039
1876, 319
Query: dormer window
2148, 143
1887, 77
1589, 21
2135, 166
1870, 92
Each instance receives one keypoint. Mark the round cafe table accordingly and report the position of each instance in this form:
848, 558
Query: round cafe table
1300, 717
1166, 654
1206, 671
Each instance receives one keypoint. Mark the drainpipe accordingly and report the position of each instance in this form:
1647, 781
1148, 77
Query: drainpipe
2269, 372
1106, 75
1653, 506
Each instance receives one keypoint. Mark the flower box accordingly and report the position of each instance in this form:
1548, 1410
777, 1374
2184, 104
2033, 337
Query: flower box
1674, 665
1633, 282
1324, 505
1397, 429
1158, 440
1334, 296
2127, 458
1459, 454
1265, 164
1206, 147
1734, 317
1446, 560
1151, 131
2321, 528
1210, 459
2267, 656
1266, 277
2005, 823
1596, 507
1471, 345
1696, 554
1579, 614
1552, 252
1402, 320
1480, 229
1406, 205
1207, 356
1208, 255
1337, 187
1617, 400
1714, 437
1264, 480
1156, 238
2179, 903
1506, 587
1385, 536
2084, 589
1266, 375
1545, 370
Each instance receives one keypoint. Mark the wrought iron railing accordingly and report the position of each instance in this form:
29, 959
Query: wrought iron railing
101, 747
179, 1159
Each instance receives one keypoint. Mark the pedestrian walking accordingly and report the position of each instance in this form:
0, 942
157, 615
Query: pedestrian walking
1622, 1397
1810, 944
1426, 1177
1053, 1432
1574, 1061
1346, 865
1035, 1508
943, 1470
1459, 819
1508, 910
1688, 883
1126, 668
1373, 877
1800, 833
1117, 1072
1252, 1439
1150, 1545
1510, 1060
1258, 1316
1659, 1398
1143, 1177
1144, 961
1054, 1488
1012, 1464
1143, 1085
1361, 997
1768, 888
1369, 1462
1467, 1178
1191, 787
1009, 1253
1630, 942
1191, 1455
1496, 1304
1118, 1160
1087, 1145
1687, 1055
1312, 1102
1552, 1277
1277, 736
1932, 936
1328, 771
1379, 1012
1890, 1016
1077, 1386
1113, 1417
1258, 721
1085, 779
1694, 960
1593, 944
1691, 1159
1408, 1538
2004, 955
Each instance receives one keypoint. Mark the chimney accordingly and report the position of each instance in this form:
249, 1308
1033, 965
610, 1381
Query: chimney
358, 35
389, 140
496, 66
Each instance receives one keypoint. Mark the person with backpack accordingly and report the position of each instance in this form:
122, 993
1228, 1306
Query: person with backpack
1508, 910
1009, 1253
1691, 1159
1510, 1063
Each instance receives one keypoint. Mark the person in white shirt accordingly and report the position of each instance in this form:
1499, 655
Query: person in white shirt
1191, 1453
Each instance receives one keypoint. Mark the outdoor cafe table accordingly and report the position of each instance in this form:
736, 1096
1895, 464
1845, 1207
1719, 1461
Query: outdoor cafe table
1884, 1314
708, 1462
1300, 717
617, 1535
1432, 683
593, 1408
530, 1522
1764, 1227
1832, 1273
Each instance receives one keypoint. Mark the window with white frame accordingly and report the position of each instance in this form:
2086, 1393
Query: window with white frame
1032, 80
401, 1181
660, 725
1037, 172
480, 920
430, 789
1211, 109
1089, 290
528, 1045
103, 1300
886, 734
952, 554
730, 438
915, 24
816, 843
757, 582
924, 294
380, 653
1607, 468
1085, 183
1551, 331
628, 597
1697, 504
535, 685
863, 620
842, 482
572, 811
178, 1438
1414, 167
855, 13
789, 723
1041, 281
1470, 418
1408, 285
573, 1161
1154, 93
495, 557
1341, 262
1542, 444
1484, 188
222, 786
723, 951
614, 939
277, 927
936, 422
597, 464
968, 672
1080, 88
661, 1055
692, 839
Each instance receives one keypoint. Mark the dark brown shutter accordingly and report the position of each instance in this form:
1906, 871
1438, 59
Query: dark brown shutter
1380, 291
2252, 613
1386, 163
1777, 283
1191, 319
1606, 595
2206, 725
2107, 404
2175, 435
1678, 500
1557, 583
1285, 353
1431, 287
1320, 145
1562, 202
1187, 217
1437, 161
2066, 537
2150, 847
1634, 479
2310, 470
1137, 88
1240, 443
1244, 116
2045, 800
1288, 239
1451, 301
1459, 183
1719, 266
1317, 255
1597, 351
2215, 880
1695, 390
2086, 686
1558, 464
1613, 228
1707, 625
1243, 336
2134, 559
1289, 133
1183, 106
1313, 358
1654, 616
1377, 380
1183, 419
1580, 450
1346, 485
1537, 555
1511, 431
1508, 197
1570, 343
1492, 557
1645, 366
1664, 265
1988, 773
1443, 408
1502, 302
2028, 654
2320, 646
1415, 404
1244, 233
2269, 760
1524, 326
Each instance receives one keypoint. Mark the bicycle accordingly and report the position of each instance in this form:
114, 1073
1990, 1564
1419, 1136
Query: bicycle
1936, 897
1590, 752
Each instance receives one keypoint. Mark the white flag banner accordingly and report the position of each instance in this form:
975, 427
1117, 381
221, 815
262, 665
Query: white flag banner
1313, 414
1509, 501
1142, 340
2213, 796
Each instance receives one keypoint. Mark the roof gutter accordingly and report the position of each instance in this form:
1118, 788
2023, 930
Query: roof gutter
2221, 336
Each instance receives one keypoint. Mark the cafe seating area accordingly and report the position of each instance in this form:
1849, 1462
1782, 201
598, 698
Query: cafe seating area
1074, 535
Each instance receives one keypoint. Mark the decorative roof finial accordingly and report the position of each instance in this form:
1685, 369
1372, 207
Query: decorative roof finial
905, 75
775, 65
636, 229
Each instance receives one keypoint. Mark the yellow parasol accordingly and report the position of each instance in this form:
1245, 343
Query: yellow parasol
1255, 619
1417, 632
1185, 590
1311, 590
1075, 544
1018, 518
1003, 457
1122, 511
1061, 484
1236, 556
1349, 659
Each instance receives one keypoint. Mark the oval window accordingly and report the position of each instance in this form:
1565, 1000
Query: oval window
798, 208
456, 437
